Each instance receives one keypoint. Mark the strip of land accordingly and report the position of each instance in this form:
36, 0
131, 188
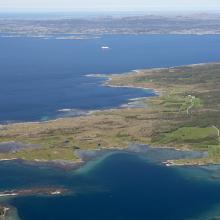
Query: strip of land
185, 116
48, 191
80, 28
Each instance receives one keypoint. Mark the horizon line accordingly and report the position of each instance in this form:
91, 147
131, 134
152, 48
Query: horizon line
103, 11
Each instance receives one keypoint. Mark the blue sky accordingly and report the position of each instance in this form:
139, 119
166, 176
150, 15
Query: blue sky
109, 5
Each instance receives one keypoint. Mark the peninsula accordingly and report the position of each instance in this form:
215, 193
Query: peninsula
185, 116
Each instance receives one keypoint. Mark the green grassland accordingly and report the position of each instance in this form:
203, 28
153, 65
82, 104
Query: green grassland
185, 115
193, 129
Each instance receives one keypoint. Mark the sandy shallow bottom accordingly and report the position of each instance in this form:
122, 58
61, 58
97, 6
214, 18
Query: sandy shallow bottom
111, 181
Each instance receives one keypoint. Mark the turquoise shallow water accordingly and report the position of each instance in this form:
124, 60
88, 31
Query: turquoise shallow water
117, 186
49, 75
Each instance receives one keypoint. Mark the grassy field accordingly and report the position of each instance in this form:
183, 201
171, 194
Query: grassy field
188, 107
186, 115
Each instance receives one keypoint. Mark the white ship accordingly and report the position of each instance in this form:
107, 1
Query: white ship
105, 47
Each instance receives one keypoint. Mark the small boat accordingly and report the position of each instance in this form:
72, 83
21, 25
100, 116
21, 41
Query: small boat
105, 47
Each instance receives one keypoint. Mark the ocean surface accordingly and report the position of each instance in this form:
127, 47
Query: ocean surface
116, 186
39, 77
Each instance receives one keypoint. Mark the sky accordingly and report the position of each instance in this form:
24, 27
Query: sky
109, 5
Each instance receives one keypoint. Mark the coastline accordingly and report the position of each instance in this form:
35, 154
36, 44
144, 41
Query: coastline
160, 91
114, 81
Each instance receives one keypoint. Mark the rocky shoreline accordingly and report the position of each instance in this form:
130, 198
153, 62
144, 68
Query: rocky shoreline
40, 191
160, 122
3, 212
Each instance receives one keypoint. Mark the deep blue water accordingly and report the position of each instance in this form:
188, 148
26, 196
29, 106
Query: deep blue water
122, 186
38, 77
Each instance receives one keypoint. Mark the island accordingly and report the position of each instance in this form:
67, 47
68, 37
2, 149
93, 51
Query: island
40, 191
184, 114
10, 212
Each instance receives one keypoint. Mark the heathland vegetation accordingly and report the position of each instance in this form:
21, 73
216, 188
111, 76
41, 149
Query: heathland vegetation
185, 115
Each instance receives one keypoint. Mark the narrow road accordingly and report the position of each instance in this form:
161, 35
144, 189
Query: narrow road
218, 133
191, 105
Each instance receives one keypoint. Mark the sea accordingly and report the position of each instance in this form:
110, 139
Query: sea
42, 79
